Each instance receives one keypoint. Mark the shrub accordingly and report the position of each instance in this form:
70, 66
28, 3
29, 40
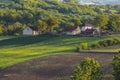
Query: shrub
95, 45
116, 41
78, 49
89, 69
84, 45
110, 42
103, 43
118, 51
116, 67
106, 43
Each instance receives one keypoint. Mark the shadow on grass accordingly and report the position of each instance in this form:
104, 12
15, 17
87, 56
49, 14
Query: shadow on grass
48, 40
23, 40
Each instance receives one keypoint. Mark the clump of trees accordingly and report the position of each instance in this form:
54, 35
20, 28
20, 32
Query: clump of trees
47, 24
110, 23
114, 23
13, 29
89, 69
101, 21
116, 67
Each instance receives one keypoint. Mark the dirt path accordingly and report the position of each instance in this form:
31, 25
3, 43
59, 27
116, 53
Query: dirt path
56, 67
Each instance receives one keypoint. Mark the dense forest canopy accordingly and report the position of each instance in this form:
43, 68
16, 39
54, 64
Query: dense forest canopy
15, 15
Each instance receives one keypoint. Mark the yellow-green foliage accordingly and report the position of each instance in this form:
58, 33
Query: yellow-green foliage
84, 45
89, 69
116, 67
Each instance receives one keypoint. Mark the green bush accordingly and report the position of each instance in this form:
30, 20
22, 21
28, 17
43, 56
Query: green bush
118, 51
78, 49
95, 45
116, 41
82, 46
103, 43
89, 69
110, 42
116, 67
106, 43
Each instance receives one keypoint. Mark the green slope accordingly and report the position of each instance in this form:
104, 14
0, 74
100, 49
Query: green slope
19, 49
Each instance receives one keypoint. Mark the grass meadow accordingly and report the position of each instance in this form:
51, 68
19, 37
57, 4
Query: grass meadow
18, 49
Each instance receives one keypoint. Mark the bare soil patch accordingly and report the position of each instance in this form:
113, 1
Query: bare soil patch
56, 67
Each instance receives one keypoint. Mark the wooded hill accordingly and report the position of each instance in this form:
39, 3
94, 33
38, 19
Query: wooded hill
18, 13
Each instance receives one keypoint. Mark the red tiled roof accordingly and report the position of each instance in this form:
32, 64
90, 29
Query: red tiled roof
88, 24
89, 30
69, 28
33, 28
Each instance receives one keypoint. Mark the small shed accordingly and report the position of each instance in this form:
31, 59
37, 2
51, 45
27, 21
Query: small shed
30, 31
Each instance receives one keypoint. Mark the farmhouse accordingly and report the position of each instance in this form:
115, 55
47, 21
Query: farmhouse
71, 30
91, 32
86, 26
30, 31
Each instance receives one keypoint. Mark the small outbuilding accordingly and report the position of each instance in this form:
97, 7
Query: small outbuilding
30, 31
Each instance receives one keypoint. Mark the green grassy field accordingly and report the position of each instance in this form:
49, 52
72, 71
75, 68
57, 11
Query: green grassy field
18, 49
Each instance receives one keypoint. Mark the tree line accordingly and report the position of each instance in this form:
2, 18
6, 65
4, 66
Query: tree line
51, 14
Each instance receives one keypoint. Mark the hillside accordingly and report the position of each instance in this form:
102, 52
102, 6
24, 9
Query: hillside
21, 13
14, 50
18, 49
47, 16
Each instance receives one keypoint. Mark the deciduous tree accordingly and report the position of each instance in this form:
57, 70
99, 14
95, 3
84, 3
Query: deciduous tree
114, 23
116, 67
89, 69
101, 21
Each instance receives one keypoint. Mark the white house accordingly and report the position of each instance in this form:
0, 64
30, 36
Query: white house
88, 29
30, 31
71, 30
86, 26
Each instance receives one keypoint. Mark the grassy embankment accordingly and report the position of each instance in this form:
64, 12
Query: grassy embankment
18, 49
